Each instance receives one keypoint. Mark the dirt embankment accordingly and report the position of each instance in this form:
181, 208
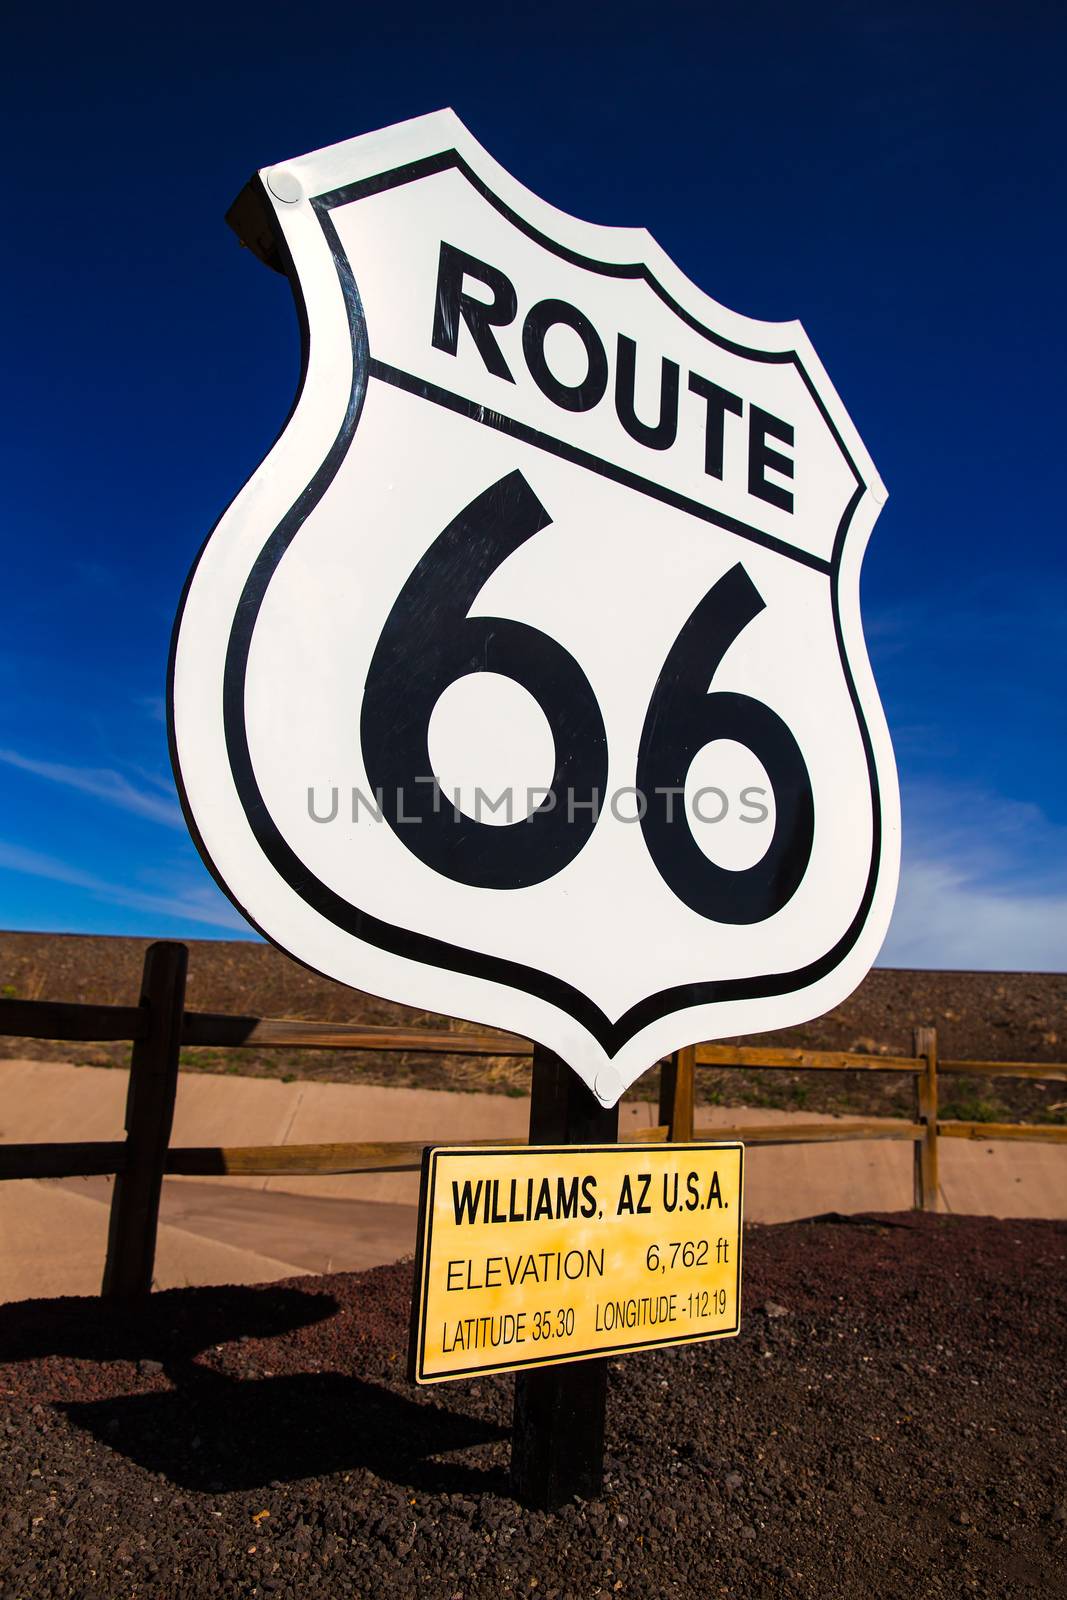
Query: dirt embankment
890, 1422
979, 1015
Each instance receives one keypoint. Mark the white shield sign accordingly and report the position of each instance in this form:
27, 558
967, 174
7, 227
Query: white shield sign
525, 679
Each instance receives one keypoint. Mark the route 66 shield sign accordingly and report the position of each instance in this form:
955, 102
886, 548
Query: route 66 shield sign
525, 679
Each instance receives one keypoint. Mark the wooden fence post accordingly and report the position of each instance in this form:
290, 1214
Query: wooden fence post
131, 1239
677, 1088
557, 1446
926, 1177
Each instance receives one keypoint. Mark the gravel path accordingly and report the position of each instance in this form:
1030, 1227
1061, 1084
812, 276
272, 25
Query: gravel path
890, 1422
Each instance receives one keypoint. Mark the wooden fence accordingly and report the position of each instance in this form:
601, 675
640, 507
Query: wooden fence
159, 1026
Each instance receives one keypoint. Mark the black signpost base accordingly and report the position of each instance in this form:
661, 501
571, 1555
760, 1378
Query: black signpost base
557, 1447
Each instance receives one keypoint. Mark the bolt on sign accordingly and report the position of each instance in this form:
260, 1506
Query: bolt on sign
525, 679
533, 1257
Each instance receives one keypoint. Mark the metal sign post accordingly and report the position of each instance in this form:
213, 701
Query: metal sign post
557, 1446
549, 1259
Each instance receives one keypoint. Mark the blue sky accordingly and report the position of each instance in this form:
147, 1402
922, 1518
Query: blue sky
891, 175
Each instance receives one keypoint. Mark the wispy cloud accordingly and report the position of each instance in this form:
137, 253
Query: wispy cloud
983, 884
945, 919
156, 780
193, 902
1007, 602
17, 858
103, 783
152, 706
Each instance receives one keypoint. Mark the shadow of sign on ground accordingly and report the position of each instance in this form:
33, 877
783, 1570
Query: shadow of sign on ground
216, 1434
209, 1431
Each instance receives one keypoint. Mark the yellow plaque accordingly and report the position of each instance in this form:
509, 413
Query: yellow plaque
528, 1257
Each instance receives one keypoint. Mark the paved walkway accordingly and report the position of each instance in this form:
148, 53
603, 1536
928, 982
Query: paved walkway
249, 1230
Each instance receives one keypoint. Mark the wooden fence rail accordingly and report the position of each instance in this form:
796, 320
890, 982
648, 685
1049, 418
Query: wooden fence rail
159, 1027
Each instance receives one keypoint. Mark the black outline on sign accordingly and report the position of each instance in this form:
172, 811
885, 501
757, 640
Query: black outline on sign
404, 942
430, 1160
584, 458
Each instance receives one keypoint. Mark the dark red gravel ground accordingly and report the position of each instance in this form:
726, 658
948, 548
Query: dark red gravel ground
897, 1430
